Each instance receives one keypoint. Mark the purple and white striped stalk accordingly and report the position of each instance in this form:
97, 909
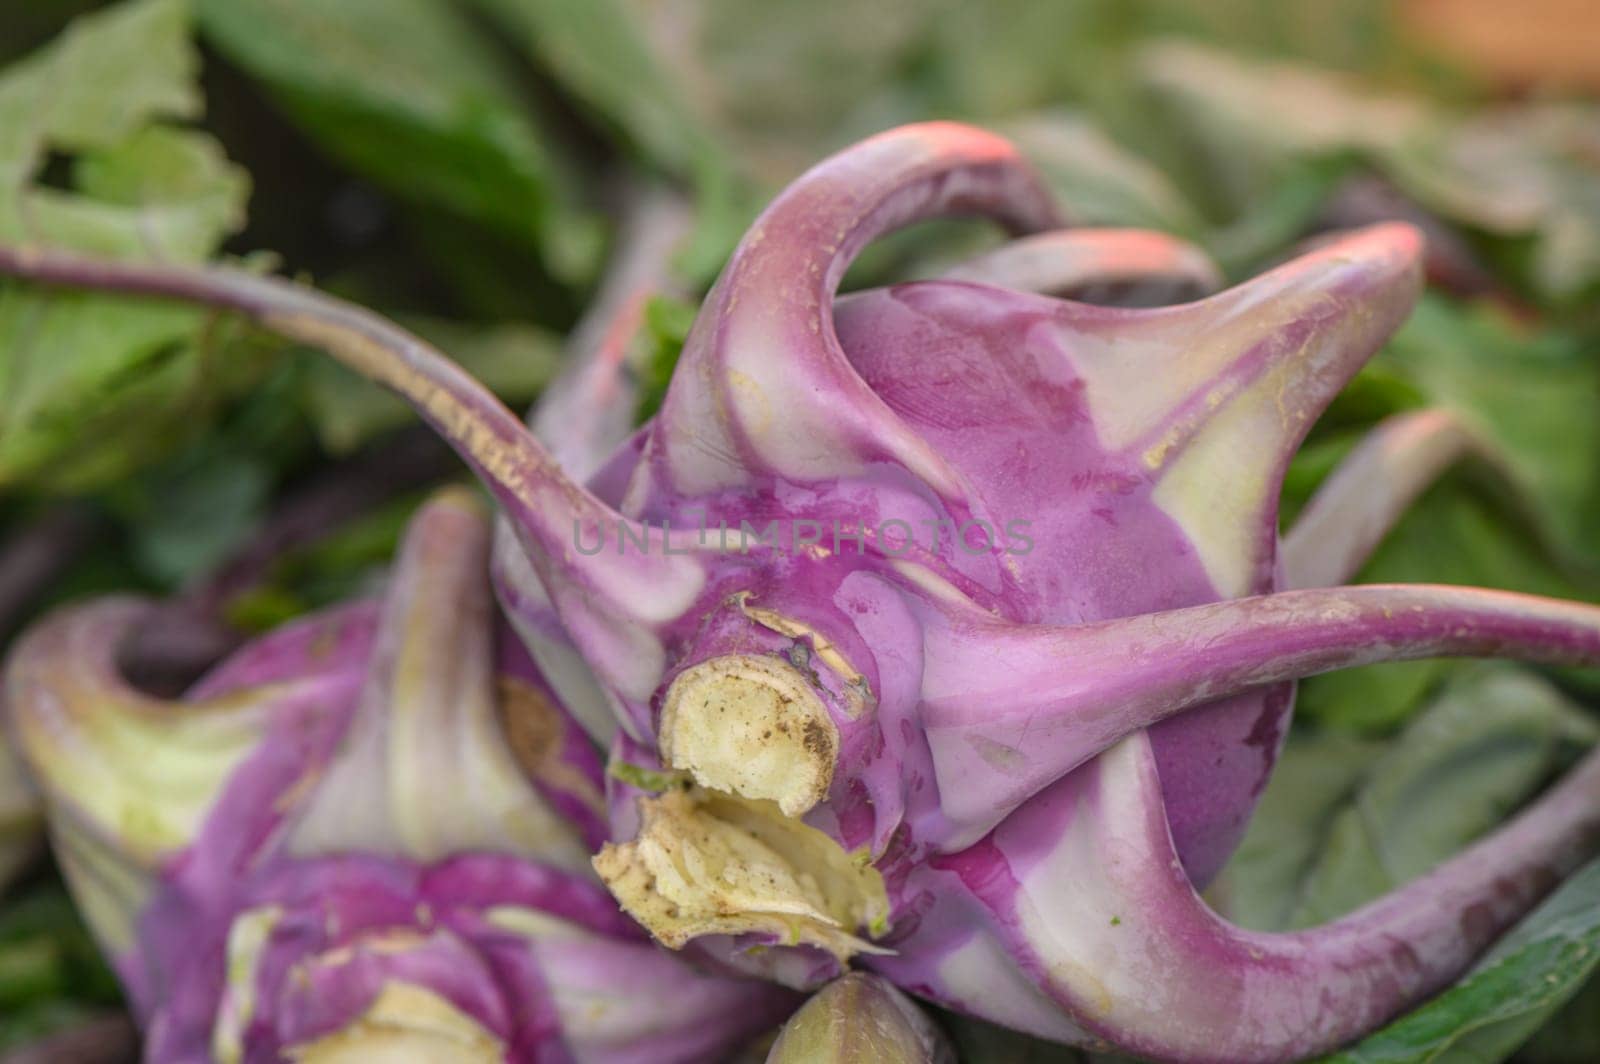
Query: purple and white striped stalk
1063, 261
992, 727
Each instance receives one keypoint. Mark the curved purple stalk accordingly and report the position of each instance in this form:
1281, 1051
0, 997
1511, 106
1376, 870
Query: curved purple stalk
1038, 701
585, 413
1060, 262
775, 369
597, 598
589, 408
1116, 936
519, 472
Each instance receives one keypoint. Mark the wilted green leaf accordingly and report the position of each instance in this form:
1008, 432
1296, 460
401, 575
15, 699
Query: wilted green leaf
1097, 180
409, 94
786, 80
1535, 394
1526, 174
103, 79
1342, 822
597, 51
1518, 985
1529, 172
603, 54
90, 386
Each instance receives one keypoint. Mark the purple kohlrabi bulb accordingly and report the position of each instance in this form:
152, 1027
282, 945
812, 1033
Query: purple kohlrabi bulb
365, 834
945, 627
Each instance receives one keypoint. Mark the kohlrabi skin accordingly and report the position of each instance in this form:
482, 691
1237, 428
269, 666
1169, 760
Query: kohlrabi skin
945, 629
364, 837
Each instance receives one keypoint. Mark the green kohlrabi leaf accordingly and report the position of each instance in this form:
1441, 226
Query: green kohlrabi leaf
598, 52
1344, 820
103, 79
411, 95
198, 512
1314, 784
188, 512
1536, 396
1525, 177
1529, 173
785, 80
1097, 181
91, 159
1247, 126
1572, 1035
51, 975
1517, 986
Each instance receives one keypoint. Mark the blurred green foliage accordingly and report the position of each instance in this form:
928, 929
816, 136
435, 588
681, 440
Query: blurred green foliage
92, 158
51, 973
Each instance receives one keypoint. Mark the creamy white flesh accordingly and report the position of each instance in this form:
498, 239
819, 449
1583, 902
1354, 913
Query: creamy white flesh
730, 854
751, 725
